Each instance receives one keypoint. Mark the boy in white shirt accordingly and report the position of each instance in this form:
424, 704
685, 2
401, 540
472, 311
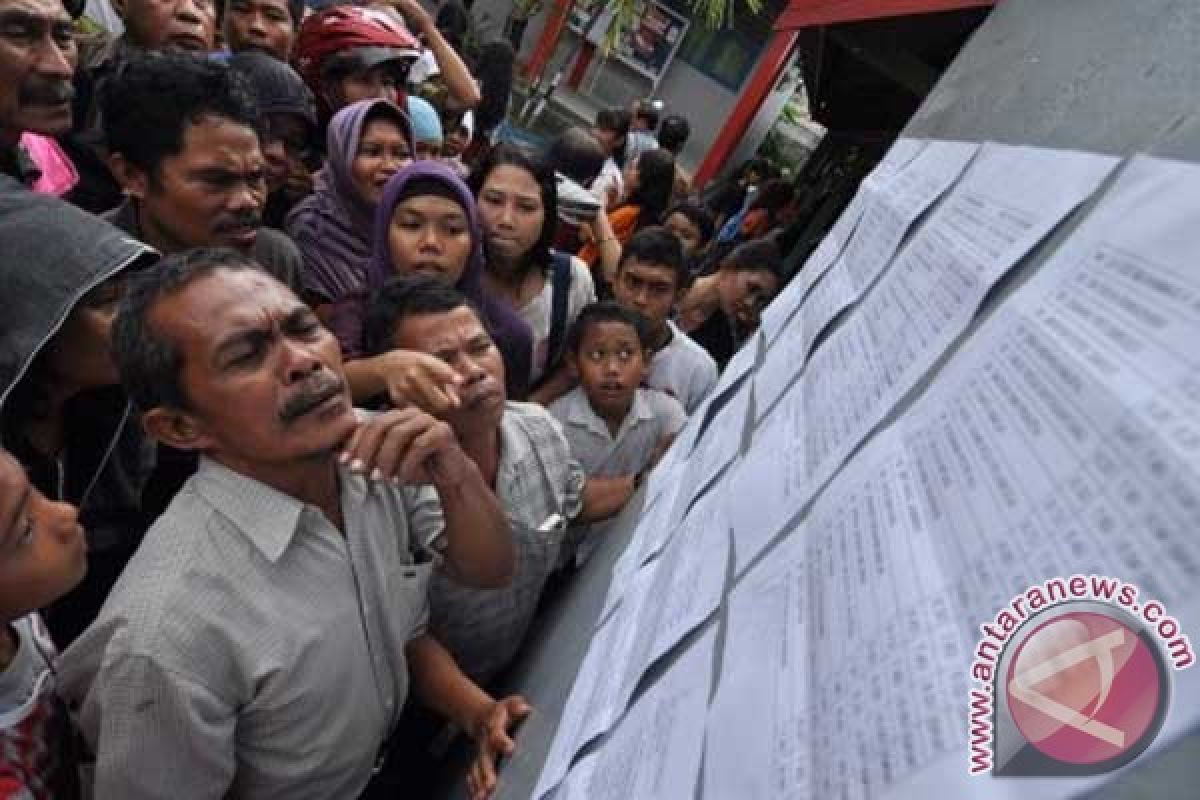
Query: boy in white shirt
614, 426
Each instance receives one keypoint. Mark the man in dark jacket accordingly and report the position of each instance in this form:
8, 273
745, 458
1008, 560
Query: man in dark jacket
62, 413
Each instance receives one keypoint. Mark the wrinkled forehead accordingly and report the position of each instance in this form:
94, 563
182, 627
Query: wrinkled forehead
46, 10
438, 331
202, 313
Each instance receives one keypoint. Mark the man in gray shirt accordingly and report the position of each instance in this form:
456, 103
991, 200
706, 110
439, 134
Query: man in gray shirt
255, 645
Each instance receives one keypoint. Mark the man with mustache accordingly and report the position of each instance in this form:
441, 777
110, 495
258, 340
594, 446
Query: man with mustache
184, 144
255, 645
37, 60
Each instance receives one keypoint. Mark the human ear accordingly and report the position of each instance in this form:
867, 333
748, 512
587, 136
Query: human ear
176, 428
133, 179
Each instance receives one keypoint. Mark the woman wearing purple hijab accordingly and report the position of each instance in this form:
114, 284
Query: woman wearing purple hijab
427, 222
367, 142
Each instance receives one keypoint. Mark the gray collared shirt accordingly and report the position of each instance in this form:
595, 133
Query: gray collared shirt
250, 649
653, 416
537, 482
683, 369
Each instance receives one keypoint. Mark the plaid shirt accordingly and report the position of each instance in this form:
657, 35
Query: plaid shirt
536, 479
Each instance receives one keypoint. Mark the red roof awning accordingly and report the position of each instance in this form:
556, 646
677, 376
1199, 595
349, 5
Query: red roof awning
809, 13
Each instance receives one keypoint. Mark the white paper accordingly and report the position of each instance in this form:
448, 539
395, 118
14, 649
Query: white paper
717, 446
1009, 199
766, 485
1063, 438
651, 535
654, 753
759, 726
689, 580
893, 204
603, 685
984, 227
775, 318
740, 365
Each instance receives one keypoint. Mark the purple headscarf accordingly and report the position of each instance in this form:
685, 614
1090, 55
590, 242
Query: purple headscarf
332, 227
511, 333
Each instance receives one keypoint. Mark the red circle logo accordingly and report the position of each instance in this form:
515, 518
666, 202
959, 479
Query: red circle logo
1085, 688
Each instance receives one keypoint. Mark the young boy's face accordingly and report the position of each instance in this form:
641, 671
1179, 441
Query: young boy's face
611, 365
43, 554
649, 289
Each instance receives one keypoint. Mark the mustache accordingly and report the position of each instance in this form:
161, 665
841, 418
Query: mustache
247, 219
318, 389
46, 93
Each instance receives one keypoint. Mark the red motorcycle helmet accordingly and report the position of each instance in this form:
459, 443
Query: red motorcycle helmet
353, 38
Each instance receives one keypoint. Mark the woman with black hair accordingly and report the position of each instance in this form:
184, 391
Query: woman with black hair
649, 182
518, 205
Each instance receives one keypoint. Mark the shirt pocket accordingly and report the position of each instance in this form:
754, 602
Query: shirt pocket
408, 601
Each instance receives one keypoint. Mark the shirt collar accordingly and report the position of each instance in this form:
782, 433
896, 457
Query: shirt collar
582, 414
268, 517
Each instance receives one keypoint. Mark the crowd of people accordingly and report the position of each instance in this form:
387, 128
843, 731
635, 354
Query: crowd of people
310, 386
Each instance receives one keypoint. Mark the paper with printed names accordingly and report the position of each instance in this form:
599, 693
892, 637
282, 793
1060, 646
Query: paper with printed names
1008, 200
1063, 438
717, 445
605, 682
776, 316
892, 204
649, 537
654, 753
689, 580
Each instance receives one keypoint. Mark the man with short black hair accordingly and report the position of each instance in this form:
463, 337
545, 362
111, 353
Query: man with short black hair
651, 278
151, 26
254, 646
37, 60
268, 26
183, 134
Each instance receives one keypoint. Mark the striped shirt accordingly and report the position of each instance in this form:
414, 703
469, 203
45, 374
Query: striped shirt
250, 649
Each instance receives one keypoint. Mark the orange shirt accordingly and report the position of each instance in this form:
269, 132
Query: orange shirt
624, 222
